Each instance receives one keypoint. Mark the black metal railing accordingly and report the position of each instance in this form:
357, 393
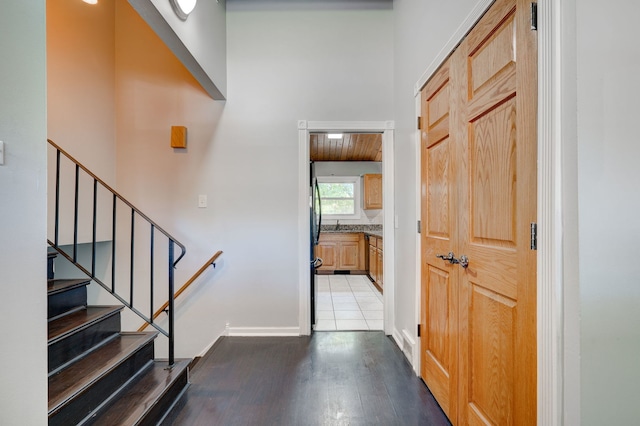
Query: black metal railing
134, 238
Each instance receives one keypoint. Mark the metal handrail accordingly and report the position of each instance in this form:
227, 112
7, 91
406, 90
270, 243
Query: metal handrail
186, 285
172, 262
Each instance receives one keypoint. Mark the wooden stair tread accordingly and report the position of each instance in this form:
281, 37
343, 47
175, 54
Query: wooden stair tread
135, 402
60, 285
73, 379
77, 320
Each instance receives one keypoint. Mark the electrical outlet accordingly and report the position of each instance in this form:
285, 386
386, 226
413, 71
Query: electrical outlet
202, 201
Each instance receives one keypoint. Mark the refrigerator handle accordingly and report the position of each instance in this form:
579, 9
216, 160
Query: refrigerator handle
319, 211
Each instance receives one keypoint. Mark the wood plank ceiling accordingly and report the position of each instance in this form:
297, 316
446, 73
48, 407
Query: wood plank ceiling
351, 147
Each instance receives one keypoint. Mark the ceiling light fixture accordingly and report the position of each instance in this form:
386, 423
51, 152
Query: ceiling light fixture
91, 1
183, 8
334, 136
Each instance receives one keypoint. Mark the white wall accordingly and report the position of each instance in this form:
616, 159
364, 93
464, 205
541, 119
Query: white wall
609, 200
353, 168
23, 376
421, 29
319, 63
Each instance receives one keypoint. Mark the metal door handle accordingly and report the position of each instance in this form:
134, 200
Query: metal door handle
450, 257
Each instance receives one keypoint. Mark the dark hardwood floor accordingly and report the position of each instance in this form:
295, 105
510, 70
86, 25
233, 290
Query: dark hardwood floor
331, 378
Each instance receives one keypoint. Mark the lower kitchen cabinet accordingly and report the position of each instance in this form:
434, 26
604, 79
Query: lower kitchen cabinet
341, 251
376, 261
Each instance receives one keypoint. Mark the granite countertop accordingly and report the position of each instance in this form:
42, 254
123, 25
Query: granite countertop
343, 229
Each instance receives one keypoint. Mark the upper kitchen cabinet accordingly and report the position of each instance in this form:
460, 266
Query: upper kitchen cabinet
372, 191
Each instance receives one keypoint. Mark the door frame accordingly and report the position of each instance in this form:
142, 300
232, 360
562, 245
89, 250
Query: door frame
305, 128
558, 304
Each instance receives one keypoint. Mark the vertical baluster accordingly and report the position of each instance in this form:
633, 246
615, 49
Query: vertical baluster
113, 245
75, 216
95, 225
133, 218
171, 318
57, 213
152, 274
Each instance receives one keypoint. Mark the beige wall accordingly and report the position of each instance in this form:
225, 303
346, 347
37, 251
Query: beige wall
81, 82
81, 107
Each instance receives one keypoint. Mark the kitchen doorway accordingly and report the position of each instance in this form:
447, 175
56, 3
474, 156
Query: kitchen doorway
346, 253
347, 229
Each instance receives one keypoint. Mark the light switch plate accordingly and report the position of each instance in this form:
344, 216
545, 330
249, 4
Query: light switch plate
202, 201
1, 153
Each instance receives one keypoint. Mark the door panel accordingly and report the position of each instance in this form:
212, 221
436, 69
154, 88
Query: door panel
497, 176
327, 252
438, 297
349, 255
478, 199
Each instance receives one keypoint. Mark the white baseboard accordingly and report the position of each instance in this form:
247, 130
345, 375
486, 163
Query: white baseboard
407, 345
209, 346
397, 336
263, 331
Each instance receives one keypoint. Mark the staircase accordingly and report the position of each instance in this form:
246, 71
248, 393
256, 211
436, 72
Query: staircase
99, 375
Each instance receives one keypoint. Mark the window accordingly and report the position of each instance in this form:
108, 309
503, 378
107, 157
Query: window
340, 197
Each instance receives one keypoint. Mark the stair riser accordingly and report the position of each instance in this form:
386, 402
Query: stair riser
61, 303
65, 350
159, 411
91, 398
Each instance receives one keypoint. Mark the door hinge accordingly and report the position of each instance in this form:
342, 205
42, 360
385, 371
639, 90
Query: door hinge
534, 16
419, 123
418, 330
419, 227
534, 236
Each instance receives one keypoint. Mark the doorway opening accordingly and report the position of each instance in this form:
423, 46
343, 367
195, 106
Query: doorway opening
350, 270
347, 223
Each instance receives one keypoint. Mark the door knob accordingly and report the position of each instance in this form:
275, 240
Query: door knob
450, 257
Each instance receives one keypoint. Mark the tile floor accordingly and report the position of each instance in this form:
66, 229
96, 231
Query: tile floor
347, 302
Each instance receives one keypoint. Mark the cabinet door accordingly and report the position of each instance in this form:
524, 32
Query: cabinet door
373, 262
372, 191
379, 274
327, 252
349, 255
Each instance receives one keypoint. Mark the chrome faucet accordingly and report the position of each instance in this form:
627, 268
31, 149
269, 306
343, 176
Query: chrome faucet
337, 224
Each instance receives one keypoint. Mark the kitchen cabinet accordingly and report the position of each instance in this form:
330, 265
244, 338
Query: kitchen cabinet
375, 261
341, 251
372, 191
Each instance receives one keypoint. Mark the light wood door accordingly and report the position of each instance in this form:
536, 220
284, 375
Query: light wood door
498, 204
492, 129
380, 269
373, 262
349, 255
439, 294
327, 251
